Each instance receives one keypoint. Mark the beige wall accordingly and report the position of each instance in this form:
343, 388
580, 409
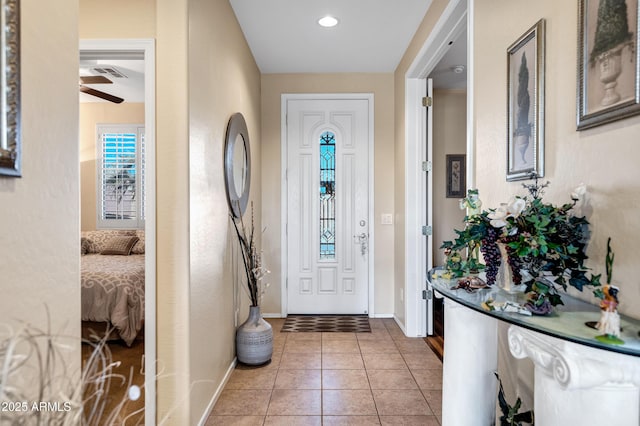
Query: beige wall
39, 212
449, 137
117, 19
223, 79
430, 19
381, 85
604, 158
92, 114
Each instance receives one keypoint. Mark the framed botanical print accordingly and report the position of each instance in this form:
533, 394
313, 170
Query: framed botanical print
456, 176
525, 104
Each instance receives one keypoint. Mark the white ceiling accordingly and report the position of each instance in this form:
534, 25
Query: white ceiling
445, 75
371, 36
130, 87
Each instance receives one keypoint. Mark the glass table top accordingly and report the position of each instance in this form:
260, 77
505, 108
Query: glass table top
566, 322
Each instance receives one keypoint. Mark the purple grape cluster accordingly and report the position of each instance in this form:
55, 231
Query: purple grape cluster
491, 254
514, 261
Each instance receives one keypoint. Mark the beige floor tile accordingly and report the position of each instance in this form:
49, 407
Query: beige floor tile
293, 421
302, 346
428, 379
306, 336
381, 336
252, 379
434, 399
409, 420
235, 421
344, 379
377, 347
242, 402
407, 402
384, 362
340, 346
342, 362
299, 379
350, 420
297, 361
422, 361
391, 379
417, 345
338, 336
348, 403
295, 402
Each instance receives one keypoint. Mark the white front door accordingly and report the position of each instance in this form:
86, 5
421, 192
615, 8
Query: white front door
327, 205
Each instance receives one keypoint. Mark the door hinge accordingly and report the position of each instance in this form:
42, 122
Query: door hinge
427, 101
427, 230
427, 294
426, 166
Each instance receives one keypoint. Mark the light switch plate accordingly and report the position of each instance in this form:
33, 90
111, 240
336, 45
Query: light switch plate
387, 219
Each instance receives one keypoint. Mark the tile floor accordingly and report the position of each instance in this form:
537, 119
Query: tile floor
377, 378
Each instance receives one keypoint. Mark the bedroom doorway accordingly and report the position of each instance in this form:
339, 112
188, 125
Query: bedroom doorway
117, 80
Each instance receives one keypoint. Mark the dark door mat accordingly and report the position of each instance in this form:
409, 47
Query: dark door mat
327, 323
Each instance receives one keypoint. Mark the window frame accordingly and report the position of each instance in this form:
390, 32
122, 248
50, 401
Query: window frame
139, 221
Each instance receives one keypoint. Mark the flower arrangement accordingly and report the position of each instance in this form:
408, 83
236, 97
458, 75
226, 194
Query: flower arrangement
252, 260
546, 241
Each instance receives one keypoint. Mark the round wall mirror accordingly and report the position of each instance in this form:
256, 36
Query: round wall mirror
237, 165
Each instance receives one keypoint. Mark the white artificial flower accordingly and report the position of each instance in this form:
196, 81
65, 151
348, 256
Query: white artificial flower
516, 207
579, 192
498, 217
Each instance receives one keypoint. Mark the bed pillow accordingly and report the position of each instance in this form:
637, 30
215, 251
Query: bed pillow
138, 248
120, 245
84, 245
98, 239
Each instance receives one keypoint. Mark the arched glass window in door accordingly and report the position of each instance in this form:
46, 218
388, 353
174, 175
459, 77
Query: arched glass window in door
327, 195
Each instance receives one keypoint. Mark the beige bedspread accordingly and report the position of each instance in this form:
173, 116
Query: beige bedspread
113, 291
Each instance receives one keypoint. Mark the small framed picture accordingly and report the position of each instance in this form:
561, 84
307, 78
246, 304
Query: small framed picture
525, 105
608, 70
456, 176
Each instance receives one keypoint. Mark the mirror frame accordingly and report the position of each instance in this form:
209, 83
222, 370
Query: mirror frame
10, 132
237, 202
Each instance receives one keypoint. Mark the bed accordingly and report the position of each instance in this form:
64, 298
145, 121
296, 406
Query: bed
112, 275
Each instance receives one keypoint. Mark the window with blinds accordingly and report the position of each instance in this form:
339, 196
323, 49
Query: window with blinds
120, 197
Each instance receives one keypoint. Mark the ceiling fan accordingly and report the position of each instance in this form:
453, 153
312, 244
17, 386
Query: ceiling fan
98, 79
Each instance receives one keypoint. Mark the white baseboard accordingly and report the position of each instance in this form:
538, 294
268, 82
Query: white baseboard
217, 393
382, 316
400, 325
272, 315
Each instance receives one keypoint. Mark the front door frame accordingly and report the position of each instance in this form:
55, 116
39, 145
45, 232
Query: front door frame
285, 97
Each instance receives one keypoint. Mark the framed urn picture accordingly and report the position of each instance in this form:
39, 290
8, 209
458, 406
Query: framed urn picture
608, 71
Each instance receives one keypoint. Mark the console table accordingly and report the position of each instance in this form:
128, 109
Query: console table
578, 380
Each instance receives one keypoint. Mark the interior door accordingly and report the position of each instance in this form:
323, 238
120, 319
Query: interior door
328, 205
428, 251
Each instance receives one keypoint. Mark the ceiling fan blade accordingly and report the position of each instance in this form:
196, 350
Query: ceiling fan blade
101, 95
95, 79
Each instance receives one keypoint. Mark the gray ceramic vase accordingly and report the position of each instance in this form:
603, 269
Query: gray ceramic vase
254, 339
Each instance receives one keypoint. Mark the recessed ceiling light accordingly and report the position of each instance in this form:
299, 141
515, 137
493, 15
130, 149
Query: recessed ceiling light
328, 21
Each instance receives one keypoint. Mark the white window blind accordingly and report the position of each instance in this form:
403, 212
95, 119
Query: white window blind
120, 164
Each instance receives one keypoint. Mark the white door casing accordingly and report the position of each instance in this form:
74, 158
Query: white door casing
327, 268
